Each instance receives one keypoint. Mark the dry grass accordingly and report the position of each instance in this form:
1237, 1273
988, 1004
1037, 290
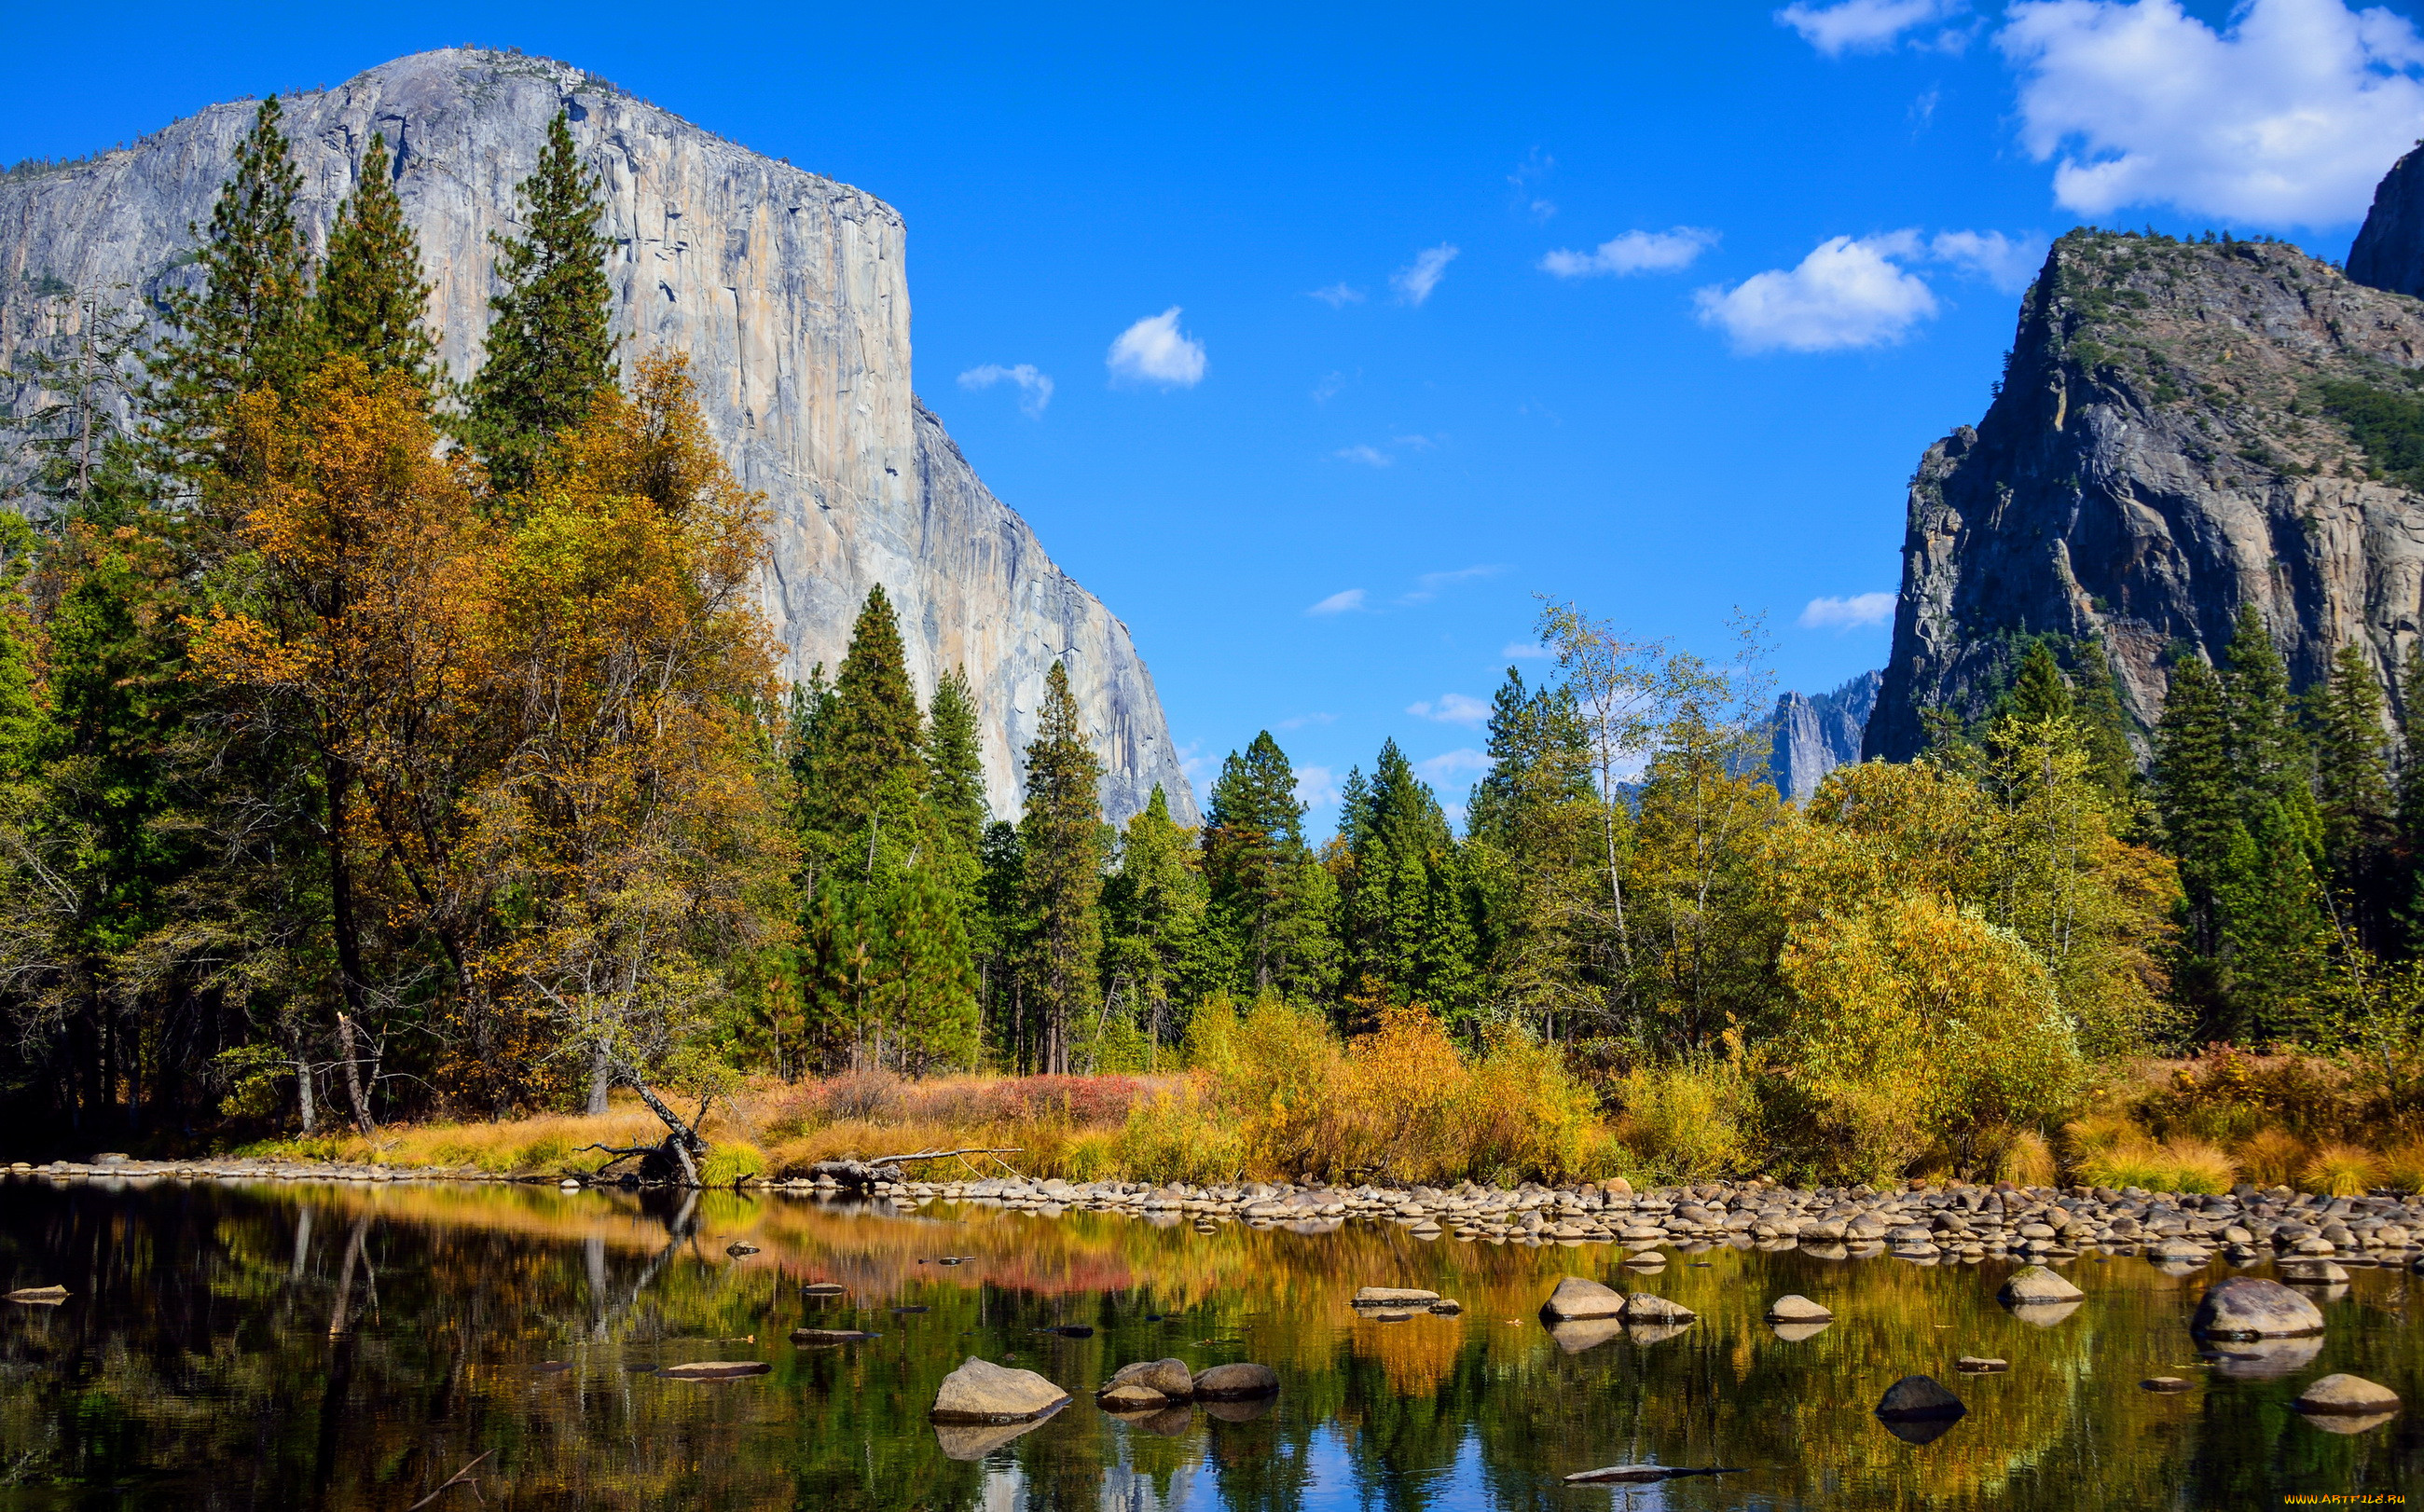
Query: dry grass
2272, 1157
2341, 1170
528, 1146
2403, 1167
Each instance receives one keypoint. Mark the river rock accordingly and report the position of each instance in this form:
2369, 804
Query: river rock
831, 1336
2250, 1307
2352, 1394
715, 1370
1130, 1399
1794, 1308
2163, 1383
2312, 1272
1167, 1378
51, 1295
1395, 1296
1642, 1307
823, 1288
739, 1248
1981, 1365
981, 1392
1579, 1298
1920, 1396
1235, 1383
2036, 1284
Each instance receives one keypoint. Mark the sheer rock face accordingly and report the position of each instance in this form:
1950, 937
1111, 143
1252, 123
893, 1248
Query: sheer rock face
2389, 250
1815, 733
2157, 456
787, 290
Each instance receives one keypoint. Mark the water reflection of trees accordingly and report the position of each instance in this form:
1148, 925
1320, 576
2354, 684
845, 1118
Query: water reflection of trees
349, 1347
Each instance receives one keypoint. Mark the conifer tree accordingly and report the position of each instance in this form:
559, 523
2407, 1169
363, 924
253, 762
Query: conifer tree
2352, 785
549, 352
1153, 908
2270, 754
1272, 903
249, 327
2039, 691
955, 761
865, 801
372, 302
1060, 840
2197, 803
1531, 843
2410, 797
1406, 908
2105, 725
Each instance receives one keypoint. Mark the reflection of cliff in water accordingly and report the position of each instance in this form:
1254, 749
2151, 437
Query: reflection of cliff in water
350, 1347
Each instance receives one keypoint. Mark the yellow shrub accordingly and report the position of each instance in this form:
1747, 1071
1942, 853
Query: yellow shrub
2402, 1166
1177, 1135
2027, 1160
2341, 1170
1690, 1121
730, 1161
2197, 1167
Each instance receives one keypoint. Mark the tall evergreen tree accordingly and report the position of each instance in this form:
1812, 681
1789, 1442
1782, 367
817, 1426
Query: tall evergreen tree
955, 761
865, 802
1531, 843
2409, 796
549, 352
2271, 756
1153, 908
1406, 904
1273, 904
2040, 691
1061, 839
372, 302
2197, 803
2105, 725
2353, 786
249, 327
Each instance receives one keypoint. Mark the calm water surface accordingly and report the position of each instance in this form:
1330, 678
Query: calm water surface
343, 1347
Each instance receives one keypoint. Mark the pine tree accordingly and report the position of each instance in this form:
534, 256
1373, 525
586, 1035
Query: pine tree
549, 352
1153, 908
371, 303
2039, 691
2270, 754
2105, 726
864, 803
1406, 907
249, 327
2352, 785
2410, 809
1254, 839
1531, 843
2196, 802
1061, 839
955, 761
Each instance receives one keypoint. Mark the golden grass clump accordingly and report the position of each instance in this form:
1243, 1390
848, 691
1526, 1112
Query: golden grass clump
2197, 1166
2120, 1166
2272, 1157
2341, 1170
2027, 1161
2402, 1166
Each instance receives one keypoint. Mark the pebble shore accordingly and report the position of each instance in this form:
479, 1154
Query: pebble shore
1919, 1222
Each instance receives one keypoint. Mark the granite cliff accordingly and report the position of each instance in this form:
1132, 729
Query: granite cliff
789, 291
2171, 441
1815, 733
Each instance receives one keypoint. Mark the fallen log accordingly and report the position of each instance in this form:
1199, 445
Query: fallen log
865, 1173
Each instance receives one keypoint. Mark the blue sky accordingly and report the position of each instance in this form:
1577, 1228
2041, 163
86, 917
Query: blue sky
1363, 325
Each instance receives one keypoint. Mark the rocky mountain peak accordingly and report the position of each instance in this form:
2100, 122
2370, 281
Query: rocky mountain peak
2172, 438
787, 290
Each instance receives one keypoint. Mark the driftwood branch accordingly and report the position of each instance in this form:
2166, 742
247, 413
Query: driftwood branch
461, 1477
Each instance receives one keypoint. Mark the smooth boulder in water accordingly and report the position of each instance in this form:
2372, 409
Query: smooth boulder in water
2352, 1395
1646, 1308
981, 1392
2034, 1286
1395, 1296
1578, 1297
715, 1370
2250, 1307
1167, 1380
1920, 1396
831, 1336
1235, 1383
1794, 1308
48, 1295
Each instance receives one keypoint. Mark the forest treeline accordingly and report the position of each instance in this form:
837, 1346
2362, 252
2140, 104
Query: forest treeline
376, 746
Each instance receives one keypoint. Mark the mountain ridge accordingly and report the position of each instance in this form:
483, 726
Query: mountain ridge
787, 289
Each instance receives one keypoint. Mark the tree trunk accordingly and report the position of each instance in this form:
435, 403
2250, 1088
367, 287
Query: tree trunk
364, 1124
601, 1077
303, 1095
349, 946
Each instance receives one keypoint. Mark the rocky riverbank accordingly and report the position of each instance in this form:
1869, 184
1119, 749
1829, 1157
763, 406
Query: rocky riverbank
1920, 1222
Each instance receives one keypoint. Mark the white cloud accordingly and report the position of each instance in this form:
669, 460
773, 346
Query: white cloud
1447, 764
1534, 168
1523, 651
1336, 294
1329, 388
1426, 587
1633, 252
2290, 116
1034, 388
1339, 603
1153, 350
1371, 456
1451, 708
1862, 26
2008, 263
1848, 292
1317, 786
1856, 613
1300, 721
1415, 282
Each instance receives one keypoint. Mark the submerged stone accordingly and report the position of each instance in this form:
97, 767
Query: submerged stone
2250, 1307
